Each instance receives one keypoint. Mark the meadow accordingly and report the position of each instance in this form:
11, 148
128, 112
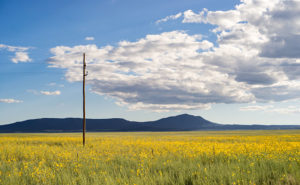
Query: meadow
162, 158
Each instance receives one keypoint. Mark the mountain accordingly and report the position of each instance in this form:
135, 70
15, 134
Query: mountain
184, 122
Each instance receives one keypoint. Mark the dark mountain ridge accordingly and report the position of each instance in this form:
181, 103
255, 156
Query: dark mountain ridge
184, 122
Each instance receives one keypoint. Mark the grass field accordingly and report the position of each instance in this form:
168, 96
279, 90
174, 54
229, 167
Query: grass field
166, 158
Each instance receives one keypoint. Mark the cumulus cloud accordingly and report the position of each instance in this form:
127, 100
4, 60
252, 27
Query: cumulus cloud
21, 54
191, 17
21, 57
89, 38
50, 93
158, 72
170, 17
10, 101
175, 70
257, 44
223, 19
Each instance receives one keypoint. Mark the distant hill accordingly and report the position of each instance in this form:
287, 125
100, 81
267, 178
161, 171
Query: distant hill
184, 122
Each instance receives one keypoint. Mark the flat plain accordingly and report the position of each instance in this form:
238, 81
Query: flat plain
202, 157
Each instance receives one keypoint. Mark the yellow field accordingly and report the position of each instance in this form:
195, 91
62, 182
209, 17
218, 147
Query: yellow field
228, 157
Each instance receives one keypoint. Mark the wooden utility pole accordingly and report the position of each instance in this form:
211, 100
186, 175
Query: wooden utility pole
84, 123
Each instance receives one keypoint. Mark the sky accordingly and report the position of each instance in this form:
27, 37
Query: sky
229, 61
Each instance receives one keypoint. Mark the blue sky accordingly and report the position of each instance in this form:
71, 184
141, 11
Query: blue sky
228, 61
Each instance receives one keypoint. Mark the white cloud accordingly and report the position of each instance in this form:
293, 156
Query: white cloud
257, 44
89, 38
171, 17
191, 17
50, 93
21, 57
286, 110
223, 19
55, 84
159, 72
20, 53
52, 84
256, 108
10, 101
35, 92
272, 109
175, 70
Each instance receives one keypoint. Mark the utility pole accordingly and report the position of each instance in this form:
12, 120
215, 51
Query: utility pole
83, 87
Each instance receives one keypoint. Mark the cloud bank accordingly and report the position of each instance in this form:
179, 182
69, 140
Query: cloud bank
255, 59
